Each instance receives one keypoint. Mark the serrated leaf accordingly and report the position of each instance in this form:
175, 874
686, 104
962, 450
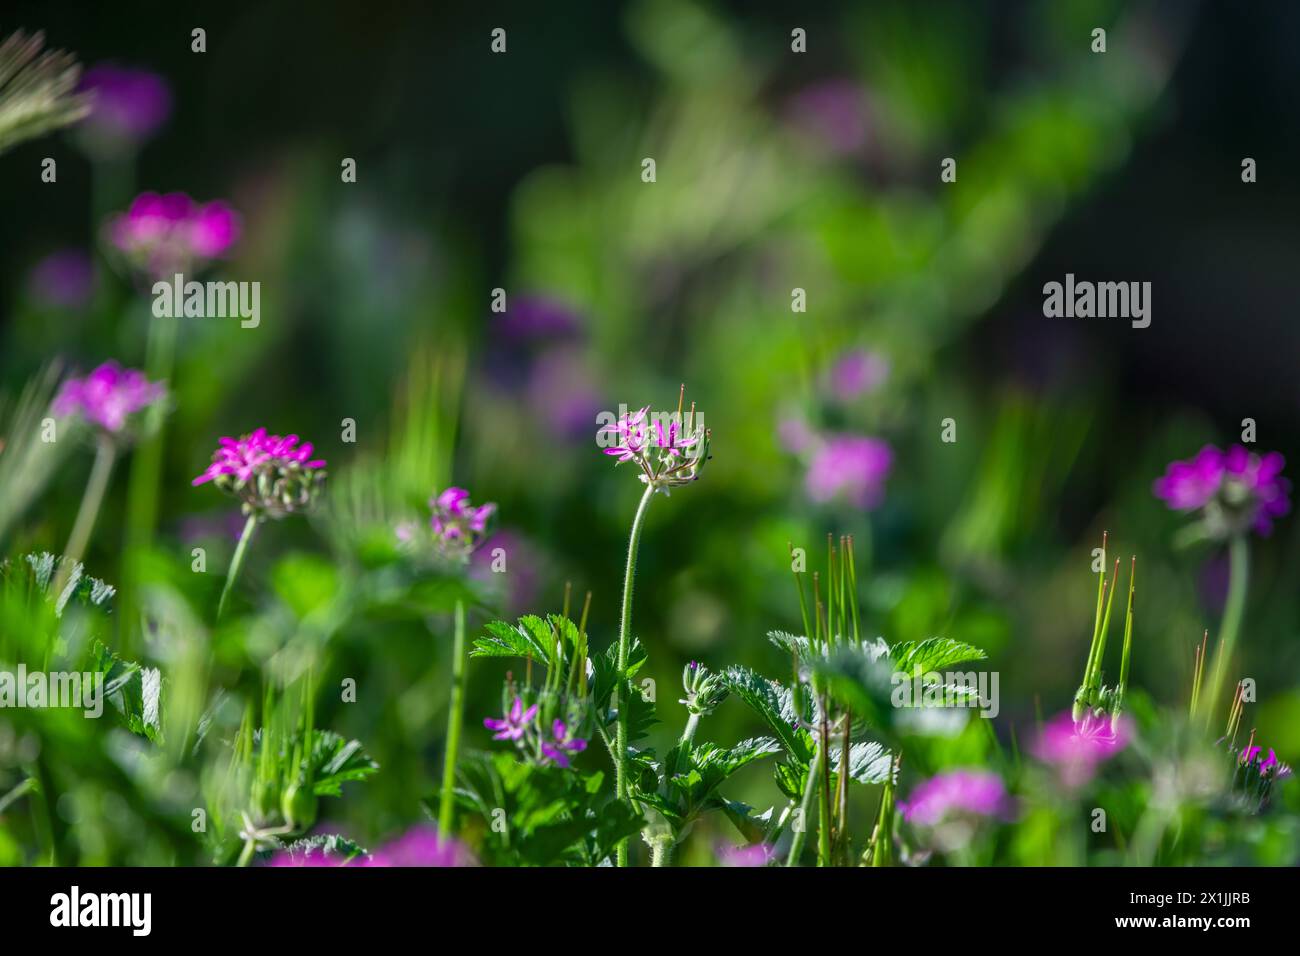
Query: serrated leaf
932, 654
336, 760
869, 762
773, 703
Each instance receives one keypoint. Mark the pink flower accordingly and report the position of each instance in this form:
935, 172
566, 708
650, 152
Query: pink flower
514, 724
271, 475
851, 467
1075, 750
978, 793
1266, 766
630, 434
457, 524
213, 229
107, 396
168, 234
758, 854
1237, 489
561, 744
421, 846
246, 456
856, 373
659, 446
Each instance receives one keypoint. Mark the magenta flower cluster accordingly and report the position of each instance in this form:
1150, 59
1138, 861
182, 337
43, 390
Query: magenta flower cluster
108, 396
956, 793
1268, 766
272, 475
1235, 490
519, 725
669, 451
457, 524
168, 234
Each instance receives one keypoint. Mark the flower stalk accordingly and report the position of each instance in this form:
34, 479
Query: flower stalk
237, 562
91, 500
455, 718
624, 645
1233, 611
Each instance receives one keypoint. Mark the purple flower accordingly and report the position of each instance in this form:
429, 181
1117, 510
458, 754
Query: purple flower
421, 846
669, 441
758, 854
1076, 750
562, 392
531, 318
250, 454
793, 433
1269, 766
458, 526
107, 396
855, 373
659, 445
631, 435
835, 113
65, 279
514, 724
273, 476
977, 793
1236, 490
849, 466
127, 107
561, 744
168, 234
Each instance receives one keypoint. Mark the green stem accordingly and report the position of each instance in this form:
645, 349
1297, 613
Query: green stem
237, 562
624, 645
455, 716
661, 852
1233, 609
246, 854
805, 805
692, 722
824, 803
17, 793
143, 483
91, 499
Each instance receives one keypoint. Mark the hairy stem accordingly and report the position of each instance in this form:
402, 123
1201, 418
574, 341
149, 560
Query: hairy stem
455, 716
237, 562
661, 852
624, 646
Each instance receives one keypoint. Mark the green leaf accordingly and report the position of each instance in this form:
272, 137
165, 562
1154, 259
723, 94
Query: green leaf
869, 762
509, 640
336, 760
932, 654
773, 703
305, 583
